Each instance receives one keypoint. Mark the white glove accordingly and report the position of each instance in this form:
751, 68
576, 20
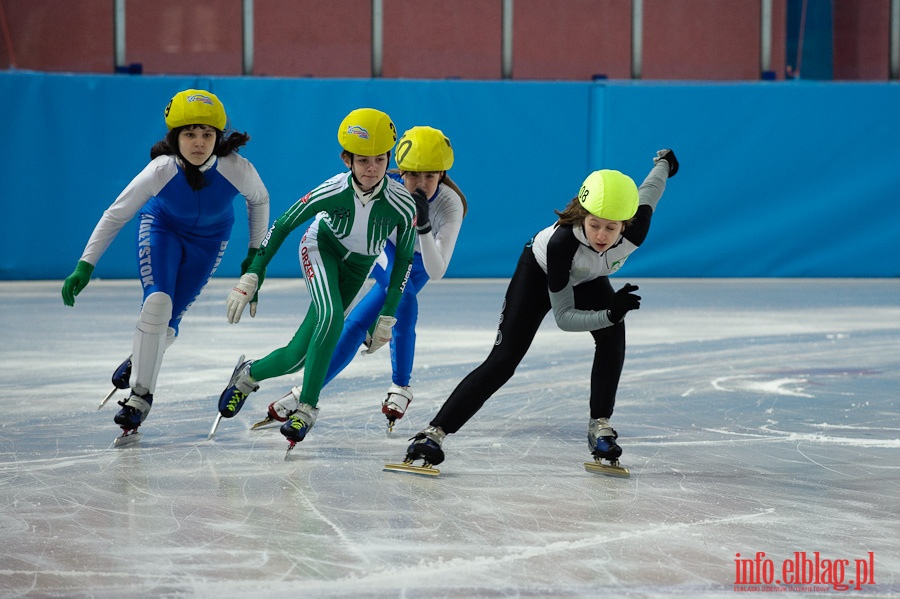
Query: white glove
239, 297
381, 334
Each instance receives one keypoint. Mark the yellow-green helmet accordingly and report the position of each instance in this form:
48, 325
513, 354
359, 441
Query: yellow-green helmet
367, 132
609, 194
195, 107
423, 150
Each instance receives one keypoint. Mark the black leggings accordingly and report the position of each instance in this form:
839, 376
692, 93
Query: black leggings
526, 303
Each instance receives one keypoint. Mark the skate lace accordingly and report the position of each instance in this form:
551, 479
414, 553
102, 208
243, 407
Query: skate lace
297, 423
236, 398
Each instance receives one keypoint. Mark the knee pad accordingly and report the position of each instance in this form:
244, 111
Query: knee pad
150, 341
156, 313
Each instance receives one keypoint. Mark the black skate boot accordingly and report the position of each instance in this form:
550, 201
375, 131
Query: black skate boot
426, 446
121, 378
134, 411
297, 426
602, 442
239, 387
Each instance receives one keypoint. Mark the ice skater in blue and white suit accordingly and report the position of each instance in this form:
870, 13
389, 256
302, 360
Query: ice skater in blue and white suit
185, 201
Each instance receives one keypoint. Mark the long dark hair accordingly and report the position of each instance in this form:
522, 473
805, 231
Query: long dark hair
168, 146
574, 214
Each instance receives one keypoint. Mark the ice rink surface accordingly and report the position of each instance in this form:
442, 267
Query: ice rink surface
756, 416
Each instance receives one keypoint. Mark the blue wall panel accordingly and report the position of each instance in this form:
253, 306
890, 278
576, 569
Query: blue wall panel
778, 179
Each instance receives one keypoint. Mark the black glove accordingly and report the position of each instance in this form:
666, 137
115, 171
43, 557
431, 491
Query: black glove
623, 300
422, 222
668, 156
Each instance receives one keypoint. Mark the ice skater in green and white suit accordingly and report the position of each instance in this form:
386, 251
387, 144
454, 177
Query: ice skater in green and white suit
355, 212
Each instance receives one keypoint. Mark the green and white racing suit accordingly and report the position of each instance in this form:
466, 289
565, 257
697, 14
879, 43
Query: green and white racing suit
337, 253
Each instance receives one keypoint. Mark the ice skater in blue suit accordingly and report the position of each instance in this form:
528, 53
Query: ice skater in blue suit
184, 199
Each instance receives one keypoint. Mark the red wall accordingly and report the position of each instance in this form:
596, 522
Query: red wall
862, 39
574, 40
312, 38
175, 36
431, 39
57, 35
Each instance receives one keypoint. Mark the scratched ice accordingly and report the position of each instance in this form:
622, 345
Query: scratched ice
755, 416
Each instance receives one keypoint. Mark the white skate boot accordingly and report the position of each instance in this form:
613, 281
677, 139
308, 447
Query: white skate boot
394, 406
282, 409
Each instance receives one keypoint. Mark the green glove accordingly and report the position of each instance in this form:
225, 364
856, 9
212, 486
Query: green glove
251, 254
76, 281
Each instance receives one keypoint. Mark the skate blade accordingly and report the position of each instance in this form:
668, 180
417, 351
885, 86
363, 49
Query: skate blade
212, 431
291, 445
411, 469
108, 397
265, 422
127, 439
609, 469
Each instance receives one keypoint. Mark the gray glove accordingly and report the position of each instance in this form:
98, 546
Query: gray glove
240, 296
380, 335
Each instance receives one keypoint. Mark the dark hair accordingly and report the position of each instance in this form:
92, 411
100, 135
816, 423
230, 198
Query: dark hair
168, 146
574, 214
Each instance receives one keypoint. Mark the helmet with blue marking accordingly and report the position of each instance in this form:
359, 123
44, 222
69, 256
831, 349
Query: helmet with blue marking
195, 107
367, 132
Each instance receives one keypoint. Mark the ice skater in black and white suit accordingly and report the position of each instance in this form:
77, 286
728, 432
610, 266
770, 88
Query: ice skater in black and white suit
565, 268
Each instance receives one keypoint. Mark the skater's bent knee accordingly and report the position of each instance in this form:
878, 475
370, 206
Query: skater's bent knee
157, 311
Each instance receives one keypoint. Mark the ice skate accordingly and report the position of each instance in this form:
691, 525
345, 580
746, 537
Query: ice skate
425, 446
297, 426
603, 446
134, 411
281, 410
239, 387
395, 404
121, 379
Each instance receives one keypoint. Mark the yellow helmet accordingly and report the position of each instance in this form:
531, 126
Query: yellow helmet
609, 194
424, 149
367, 132
195, 107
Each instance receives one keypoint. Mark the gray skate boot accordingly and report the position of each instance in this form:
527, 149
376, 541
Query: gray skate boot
602, 440
299, 423
426, 446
